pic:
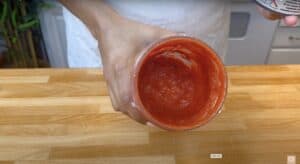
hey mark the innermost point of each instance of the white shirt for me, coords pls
(207, 20)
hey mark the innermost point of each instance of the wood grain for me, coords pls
(64, 116)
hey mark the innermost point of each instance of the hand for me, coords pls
(121, 40)
(288, 20)
(121, 44)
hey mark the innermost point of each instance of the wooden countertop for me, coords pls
(65, 116)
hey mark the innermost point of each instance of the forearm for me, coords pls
(97, 15)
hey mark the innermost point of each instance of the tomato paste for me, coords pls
(181, 83)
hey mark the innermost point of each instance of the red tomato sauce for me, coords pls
(181, 83)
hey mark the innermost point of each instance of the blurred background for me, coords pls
(33, 34)
(21, 38)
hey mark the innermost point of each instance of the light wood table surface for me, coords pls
(65, 116)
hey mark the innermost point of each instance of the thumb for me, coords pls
(291, 20)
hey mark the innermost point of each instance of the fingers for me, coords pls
(127, 108)
(291, 20)
(122, 102)
(288, 20)
(121, 44)
(130, 110)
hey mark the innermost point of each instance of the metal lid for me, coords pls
(285, 7)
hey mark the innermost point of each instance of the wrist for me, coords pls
(96, 15)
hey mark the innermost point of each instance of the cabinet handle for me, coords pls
(293, 38)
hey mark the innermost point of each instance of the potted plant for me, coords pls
(19, 26)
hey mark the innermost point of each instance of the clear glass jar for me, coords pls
(179, 83)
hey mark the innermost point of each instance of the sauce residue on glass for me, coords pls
(181, 83)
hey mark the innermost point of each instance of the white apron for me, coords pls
(207, 20)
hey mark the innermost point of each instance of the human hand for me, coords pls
(288, 20)
(121, 42)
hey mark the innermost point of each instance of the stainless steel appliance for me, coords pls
(251, 35)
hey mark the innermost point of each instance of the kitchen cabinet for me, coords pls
(253, 44)
(287, 37)
(284, 56)
(286, 45)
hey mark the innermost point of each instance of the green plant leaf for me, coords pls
(28, 25)
(45, 5)
(14, 40)
(28, 17)
(4, 12)
(14, 17)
